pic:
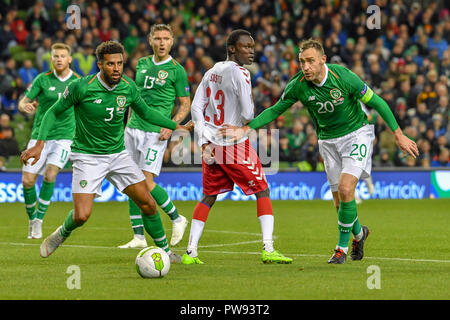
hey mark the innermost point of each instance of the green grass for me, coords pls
(409, 242)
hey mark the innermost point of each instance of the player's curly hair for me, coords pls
(233, 37)
(108, 47)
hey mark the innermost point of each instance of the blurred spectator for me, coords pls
(310, 151)
(286, 152)
(7, 39)
(35, 38)
(8, 143)
(384, 160)
(443, 159)
(28, 72)
(84, 61)
(5, 79)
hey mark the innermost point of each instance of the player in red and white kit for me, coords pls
(224, 96)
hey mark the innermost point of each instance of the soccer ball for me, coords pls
(152, 262)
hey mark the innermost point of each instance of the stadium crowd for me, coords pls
(406, 61)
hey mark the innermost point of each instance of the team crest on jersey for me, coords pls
(83, 183)
(162, 74)
(121, 101)
(335, 93)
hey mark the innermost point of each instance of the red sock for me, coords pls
(263, 206)
(201, 211)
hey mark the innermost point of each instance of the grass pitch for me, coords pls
(408, 246)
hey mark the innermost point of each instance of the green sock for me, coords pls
(136, 218)
(346, 218)
(45, 196)
(162, 199)
(154, 227)
(68, 225)
(29, 195)
(356, 227)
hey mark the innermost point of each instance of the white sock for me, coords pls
(359, 236)
(267, 222)
(196, 232)
(140, 236)
(343, 249)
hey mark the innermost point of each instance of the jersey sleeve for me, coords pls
(150, 115)
(288, 98)
(35, 88)
(243, 89)
(181, 83)
(139, 78)
(368, 97)
(69, 98)
(197, 108)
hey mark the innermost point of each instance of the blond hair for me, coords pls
(60, 45)
(160, 27)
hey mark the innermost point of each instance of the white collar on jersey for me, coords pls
(161, 62)
(104, 84)
(65, 78)
(324, 78)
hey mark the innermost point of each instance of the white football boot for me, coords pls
(178, 230)
(135, 243)
(36, 230)
(51, 243)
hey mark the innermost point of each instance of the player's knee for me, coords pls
(28, 182)
(50, 175)
(346, 192)
(81, 216)
(148, 208)
(263, 194)
(209, 200)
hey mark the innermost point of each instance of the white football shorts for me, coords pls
(146, 149)
(55, 152)
(89, 171)
(350, 154)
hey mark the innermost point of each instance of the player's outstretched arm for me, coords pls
(403, 142)
(267, 116)
(183, 111)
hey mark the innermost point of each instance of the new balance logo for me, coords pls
(311, 98)
(98, 101)
(51, 89)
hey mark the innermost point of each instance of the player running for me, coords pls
(47, 87)
(98, 151)
(332, 95)
(160, 80)
(224, 96)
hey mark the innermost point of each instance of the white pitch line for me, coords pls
(235, 252)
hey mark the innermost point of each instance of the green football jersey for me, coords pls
(48, 87)
(334, 104)
(159, 84)
(99, 113)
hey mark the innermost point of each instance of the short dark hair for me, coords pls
(108, 47)
(311, 43)
(233, 37)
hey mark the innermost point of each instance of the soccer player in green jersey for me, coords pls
(47, 87)
(332, 94)
(160, 80)
(98, 151)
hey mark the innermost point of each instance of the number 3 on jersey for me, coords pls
(220, 98)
